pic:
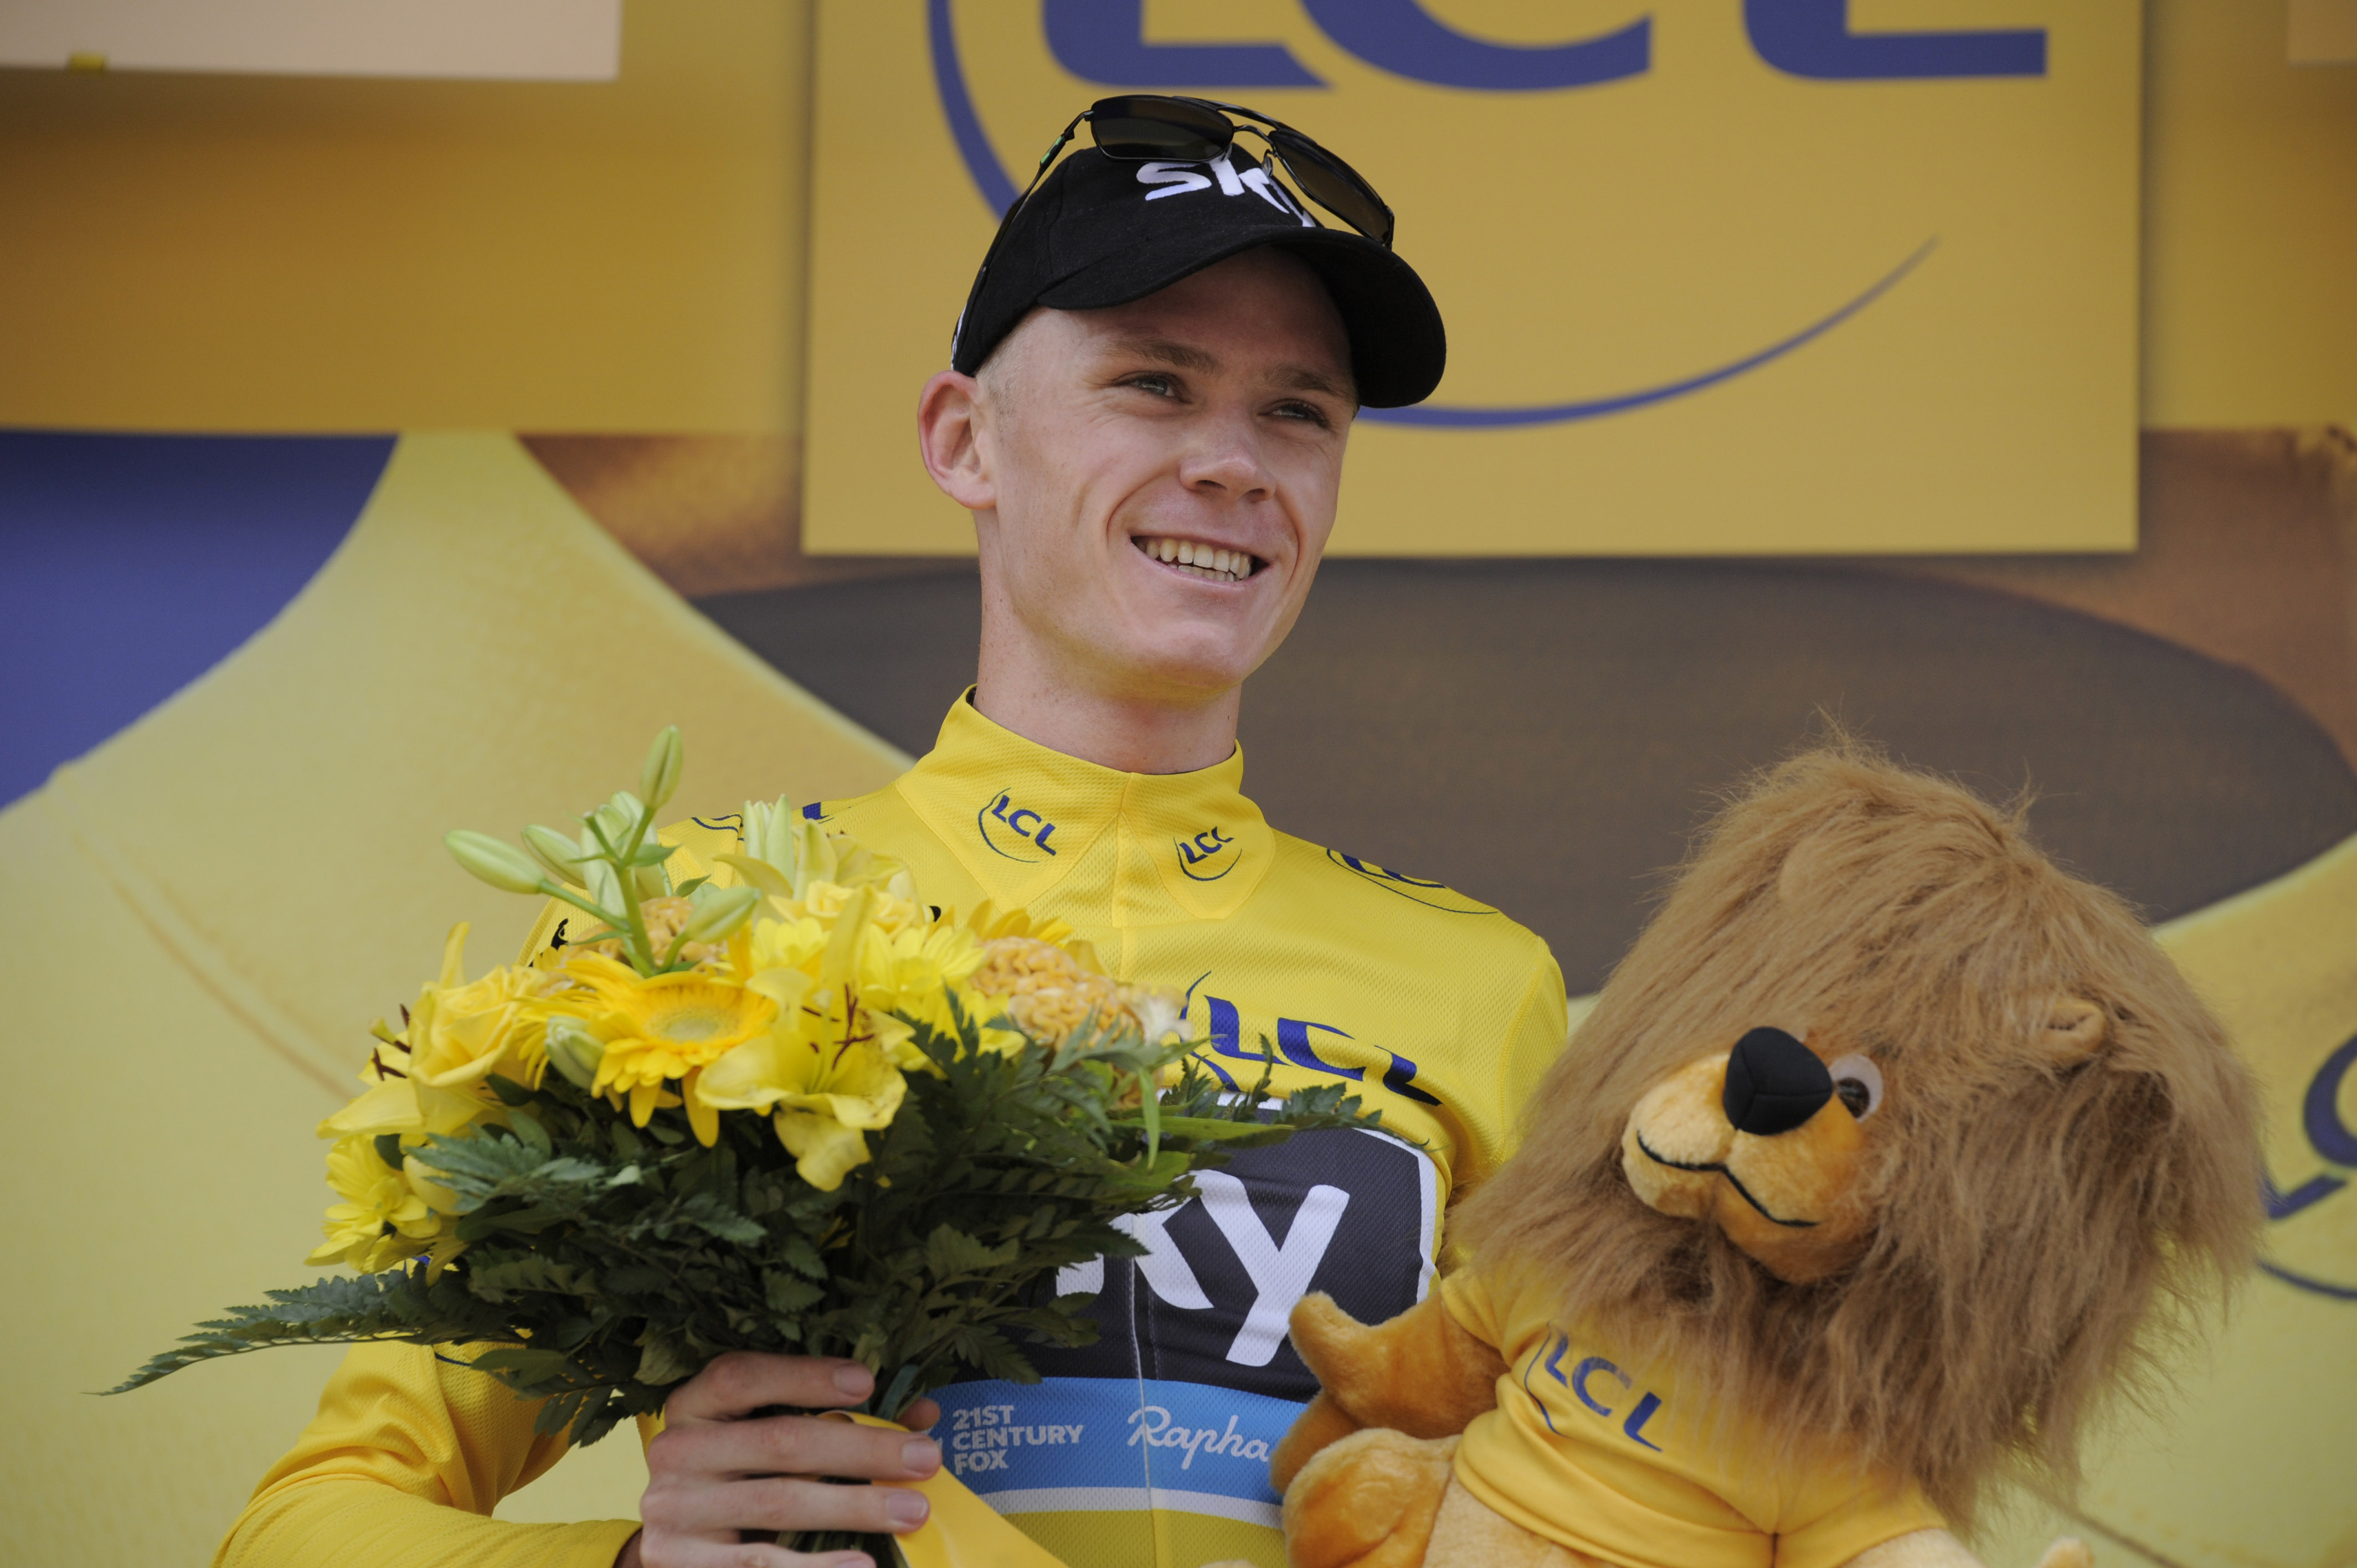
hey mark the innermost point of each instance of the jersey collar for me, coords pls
(1135, 849)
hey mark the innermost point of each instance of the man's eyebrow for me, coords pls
(1168, 352)
(1188, 357)
(1308, 378)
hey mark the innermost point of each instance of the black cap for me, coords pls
(1101, 232)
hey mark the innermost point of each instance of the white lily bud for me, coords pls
(659, 776)
(500, 864)
(720, 910)
(554, 851)
(605, 887)
(615, 819)
(573, 1051)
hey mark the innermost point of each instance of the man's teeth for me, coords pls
(1204, 560)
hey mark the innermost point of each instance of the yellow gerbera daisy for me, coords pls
(660, 1029)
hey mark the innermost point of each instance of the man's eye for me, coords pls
(1303, 411)
(1160, 386)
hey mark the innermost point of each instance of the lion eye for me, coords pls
(1858, 1084)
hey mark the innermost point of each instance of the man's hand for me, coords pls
(714, 1472)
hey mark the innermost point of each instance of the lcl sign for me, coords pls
(1104, 41)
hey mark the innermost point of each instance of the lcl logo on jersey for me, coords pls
(1431, 894)
(1297, 1041)
(1583, 1382)
(1206, 857)
(1015, 831)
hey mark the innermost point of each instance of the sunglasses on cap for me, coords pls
(1143, 126)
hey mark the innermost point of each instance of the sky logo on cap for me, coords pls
(1178, 179)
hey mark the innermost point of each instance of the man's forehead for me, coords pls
(1255, 311)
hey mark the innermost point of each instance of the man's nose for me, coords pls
(1775, 1083)
(1225, 456)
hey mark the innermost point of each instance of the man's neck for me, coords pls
(1135, 735)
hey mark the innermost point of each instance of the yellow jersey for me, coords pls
(1150, 1447)
(1630, 1465)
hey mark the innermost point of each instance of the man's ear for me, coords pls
(2075, 1029)
(949, 434)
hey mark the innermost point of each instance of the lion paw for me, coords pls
(1366, 1501)
(2067, 1552)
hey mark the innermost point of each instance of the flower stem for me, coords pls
(642, 955)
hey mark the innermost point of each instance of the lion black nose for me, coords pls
(1773, 1083)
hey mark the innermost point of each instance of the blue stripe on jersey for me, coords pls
(1114, 1442)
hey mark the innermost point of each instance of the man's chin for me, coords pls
(1190, 672)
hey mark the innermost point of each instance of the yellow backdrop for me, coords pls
(1706, 305)
(192, 252)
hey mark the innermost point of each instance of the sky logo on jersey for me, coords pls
(1193, 1379)
(1431, 894)
(1203, 849)
(1020, 833)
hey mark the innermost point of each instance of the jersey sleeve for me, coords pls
(1465, 1297)
(401, 1468)
(1533, 1039)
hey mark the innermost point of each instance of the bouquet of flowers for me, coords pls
(801, 1113)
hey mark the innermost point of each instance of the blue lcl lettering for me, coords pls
(1634, 1429)
(1293, 1039)
(1813, 39)
(1104, 41)
(1403, 38)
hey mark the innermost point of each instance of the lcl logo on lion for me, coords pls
(1781, 277)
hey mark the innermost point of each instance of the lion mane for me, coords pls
(2043, 1232)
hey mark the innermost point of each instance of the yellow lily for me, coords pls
(824, 1097)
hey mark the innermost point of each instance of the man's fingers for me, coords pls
(784, 1504)
(750, 1554)
(788, 1445)
(920, 1415)
(744, 1380)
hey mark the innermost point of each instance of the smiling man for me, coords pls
(1152, 391)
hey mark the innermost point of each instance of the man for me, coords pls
(1152, 391)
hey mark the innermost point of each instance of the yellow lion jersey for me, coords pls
(1151, 1446)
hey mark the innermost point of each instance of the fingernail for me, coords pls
(921, 1454)
(853, 1379)
(906, 1507)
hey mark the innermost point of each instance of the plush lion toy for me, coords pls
(1887, 1151)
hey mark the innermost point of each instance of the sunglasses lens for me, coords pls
(1158, 128)
(1327, 182)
